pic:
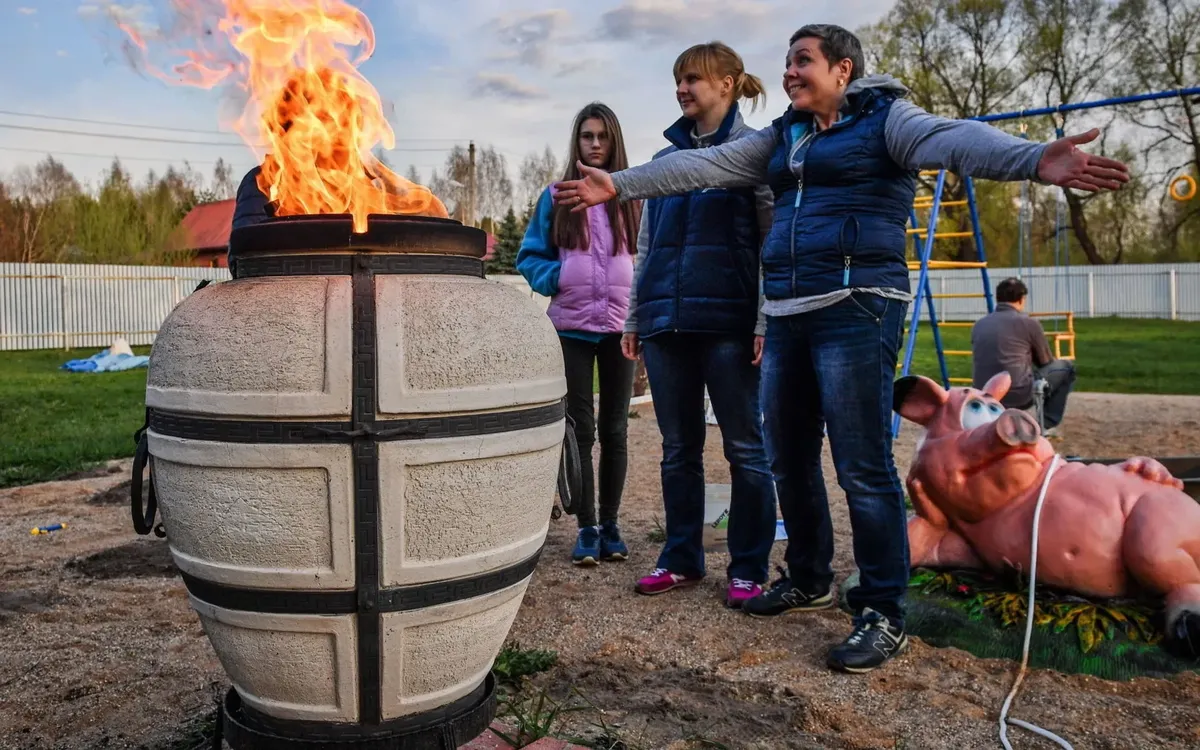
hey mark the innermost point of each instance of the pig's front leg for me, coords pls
(1150, 470)
(931, 541)
(932, 547)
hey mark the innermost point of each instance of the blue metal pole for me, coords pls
(1173, 93)
(979, 251)
(937, 335)
(922, 284)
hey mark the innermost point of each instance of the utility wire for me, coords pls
(169, 128)
(55, 152)
(150, 139)
(169, 160)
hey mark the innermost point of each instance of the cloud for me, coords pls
(658, 21)
(505, 86)
(528, 38)
(575, 66)
(135, 15)
(27, 11)
(62, 53)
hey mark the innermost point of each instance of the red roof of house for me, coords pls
(206, 226)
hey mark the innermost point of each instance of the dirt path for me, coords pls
(102, 650)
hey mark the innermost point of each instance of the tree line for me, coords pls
(960, 58)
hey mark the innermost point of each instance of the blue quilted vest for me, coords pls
(701, 272)
(843, 224)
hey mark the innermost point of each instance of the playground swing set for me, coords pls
(1062, 336)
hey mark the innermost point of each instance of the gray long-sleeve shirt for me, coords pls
(764, 204)
(915, 140)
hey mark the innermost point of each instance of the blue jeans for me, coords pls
(833, 368)
(679, 366)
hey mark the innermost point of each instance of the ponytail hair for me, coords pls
(716, 60)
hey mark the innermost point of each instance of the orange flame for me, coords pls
(306, 100)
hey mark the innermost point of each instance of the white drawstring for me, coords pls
(1004, 720)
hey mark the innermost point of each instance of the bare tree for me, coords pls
(223, 184)
(1069, 47)
(1161, 51)
(42, 195)
(413, 175)
(494, 188)
(537, 171)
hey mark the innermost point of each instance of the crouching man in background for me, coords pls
(1008, 339)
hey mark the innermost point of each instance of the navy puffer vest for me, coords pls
(701, 272)
(843, 224)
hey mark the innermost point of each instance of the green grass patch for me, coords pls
(1113, 355)
(985, 616)
(57, 423)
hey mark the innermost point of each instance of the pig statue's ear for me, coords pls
(917, 398)
(998, 385)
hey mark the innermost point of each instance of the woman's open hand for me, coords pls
(595, 188)
(1065, 165)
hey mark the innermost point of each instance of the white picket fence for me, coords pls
(48, 306)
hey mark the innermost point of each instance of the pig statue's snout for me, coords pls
(1016, 427)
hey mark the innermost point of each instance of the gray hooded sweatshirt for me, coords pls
(915, 140)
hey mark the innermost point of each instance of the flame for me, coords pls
(310, 115)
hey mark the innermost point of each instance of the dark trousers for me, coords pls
(581, 360)
(1060, 377)
(833, 369)
(679, 367)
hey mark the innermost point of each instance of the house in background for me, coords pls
(202, 238)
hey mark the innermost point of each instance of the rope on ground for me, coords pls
(1004, 720)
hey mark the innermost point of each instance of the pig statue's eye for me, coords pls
(976, 412)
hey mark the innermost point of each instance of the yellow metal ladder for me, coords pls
(923, 238)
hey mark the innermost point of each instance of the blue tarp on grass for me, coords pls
(105, 362)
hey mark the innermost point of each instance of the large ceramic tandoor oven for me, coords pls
(1104, 530)
(355, 445)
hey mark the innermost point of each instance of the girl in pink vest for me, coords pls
(583, 262)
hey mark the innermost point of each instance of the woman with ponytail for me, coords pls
(694, 314)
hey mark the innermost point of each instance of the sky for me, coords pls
(508, 74)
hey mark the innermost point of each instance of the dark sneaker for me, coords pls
(783, 598)
(874, 641)
(587, 547)
(612, 547)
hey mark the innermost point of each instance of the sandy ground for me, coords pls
(101, 649)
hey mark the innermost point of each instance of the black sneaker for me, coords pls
(783, 598)
(874, 641)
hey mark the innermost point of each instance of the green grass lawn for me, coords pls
(56, 423)
(1113, 355)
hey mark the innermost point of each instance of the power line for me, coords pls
(54, 152)
(169, 160)
(150, 139)
(170, 128)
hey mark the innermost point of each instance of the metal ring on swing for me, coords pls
(1186, 179)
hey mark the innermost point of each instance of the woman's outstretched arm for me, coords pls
(919, 140)
(739, 163)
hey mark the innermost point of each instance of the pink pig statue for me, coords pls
(1105, 531)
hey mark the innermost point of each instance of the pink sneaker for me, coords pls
(662, 581)
(741, 591)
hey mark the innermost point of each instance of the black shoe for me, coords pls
(874, 641)
(783, 598)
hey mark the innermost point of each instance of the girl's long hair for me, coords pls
(714, 61)
(570, 229)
